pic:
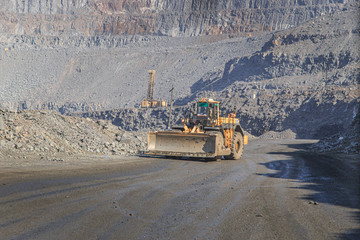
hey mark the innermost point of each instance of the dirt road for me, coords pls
(277, 191)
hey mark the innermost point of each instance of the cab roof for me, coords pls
(209, 100)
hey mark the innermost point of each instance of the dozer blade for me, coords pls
(170, 143)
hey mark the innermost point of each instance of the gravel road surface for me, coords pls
(277, 191)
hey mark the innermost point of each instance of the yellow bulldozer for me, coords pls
(203, 134)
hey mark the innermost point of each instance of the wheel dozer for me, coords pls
(203, 134)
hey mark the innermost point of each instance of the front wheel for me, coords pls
(237, 146)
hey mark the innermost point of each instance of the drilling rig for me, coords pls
(149, 102)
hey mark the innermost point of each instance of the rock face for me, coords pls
(346, 141)
(61, 18)
(73, 56)
(106, 77)
(304, 80)
(97, 78)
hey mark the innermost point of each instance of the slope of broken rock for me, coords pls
(49, 132)
(304, 79)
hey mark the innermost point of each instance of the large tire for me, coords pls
(237, 147)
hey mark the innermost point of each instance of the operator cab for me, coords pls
(203, 114)
(206, 113)
(202, 109)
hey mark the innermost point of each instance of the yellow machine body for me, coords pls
(205, 135)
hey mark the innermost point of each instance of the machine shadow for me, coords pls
(331, 180)
(185, 159)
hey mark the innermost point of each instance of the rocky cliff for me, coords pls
(63, 18)
(303, 80)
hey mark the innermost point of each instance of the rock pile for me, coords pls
(50, 132)
(347, 141)
(286, 134)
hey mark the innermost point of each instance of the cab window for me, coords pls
(202, 108)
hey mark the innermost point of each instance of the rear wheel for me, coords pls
(237, 147)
